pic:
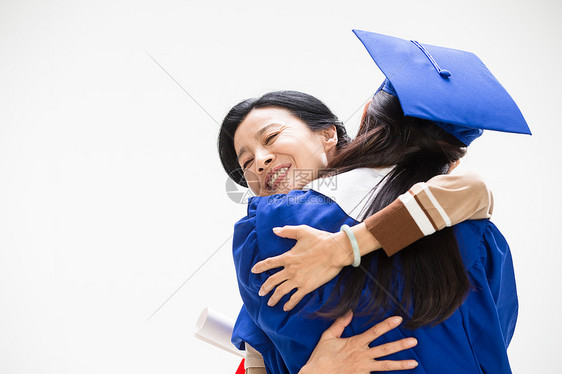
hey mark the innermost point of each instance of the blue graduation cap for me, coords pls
(452, 88)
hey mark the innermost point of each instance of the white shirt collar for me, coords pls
(352, 190)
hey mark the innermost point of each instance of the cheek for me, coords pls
(255, 189)
(307, 151)
(253, 181)
(314, 155)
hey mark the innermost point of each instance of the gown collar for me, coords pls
(352, 190)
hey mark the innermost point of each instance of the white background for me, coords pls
(111, 190)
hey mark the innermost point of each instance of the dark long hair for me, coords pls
(425, 282)
(309, 109)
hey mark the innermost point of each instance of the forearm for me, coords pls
(443, 201)
(366, 241)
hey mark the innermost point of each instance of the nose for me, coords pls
(262, 161)
(264, 164)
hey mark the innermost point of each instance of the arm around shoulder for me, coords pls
(443, 201)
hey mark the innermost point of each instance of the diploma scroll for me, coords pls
(216, 329)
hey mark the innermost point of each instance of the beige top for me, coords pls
(443, 201)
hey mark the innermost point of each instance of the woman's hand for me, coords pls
(317, 257)
(334, 354)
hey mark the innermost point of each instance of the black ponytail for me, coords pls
(425, 282)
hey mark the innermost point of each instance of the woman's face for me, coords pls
(279, 153)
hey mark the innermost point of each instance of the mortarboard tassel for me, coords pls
(442, 72)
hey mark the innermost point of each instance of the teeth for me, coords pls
(275, 176)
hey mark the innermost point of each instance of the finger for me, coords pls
(338, 326)
(388, 365)
(379, 329)
(268, 264)
(272, 282)
(392, 347)
(280, 291)
(290, 232)
(294, 300)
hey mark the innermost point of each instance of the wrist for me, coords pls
(343, 250)
(367, 242)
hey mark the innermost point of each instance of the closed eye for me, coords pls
(247, 163)
(270, 138)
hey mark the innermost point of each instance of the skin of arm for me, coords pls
(318, 256)
(311, 249)
(365, 239)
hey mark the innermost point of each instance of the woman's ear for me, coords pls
(453, 165)
(365, 110)
(330, 135)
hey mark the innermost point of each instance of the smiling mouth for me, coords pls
(275, 179)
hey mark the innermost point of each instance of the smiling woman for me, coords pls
(279, 153)
(281, 141)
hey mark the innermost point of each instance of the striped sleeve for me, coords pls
(443, 201)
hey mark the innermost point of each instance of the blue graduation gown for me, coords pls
(473, 340)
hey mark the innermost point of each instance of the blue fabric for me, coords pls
(468, 96)
(465, 134)
(473, 340)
